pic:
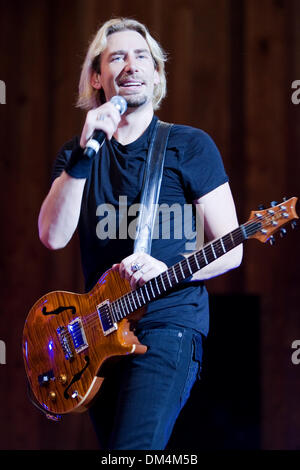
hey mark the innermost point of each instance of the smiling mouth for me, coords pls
(131, 84)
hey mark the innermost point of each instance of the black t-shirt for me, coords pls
(193, 167)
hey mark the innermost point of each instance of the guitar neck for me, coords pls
(179, 272)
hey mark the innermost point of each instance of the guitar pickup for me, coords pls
(77, 333)
(106, 319)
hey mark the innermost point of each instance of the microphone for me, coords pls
(98, 136)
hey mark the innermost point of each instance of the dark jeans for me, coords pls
(140, 400)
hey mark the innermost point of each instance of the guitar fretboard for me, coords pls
(164, 282)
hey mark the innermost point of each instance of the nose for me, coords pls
(131, 64)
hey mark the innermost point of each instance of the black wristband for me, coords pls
(79, 165)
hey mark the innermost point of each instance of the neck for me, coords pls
(133, 124)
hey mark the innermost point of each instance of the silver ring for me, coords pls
(135, 267)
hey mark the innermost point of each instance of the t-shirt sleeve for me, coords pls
(202, 166)
(63, 157)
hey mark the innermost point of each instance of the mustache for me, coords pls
(129, 77)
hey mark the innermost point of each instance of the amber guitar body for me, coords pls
(51, 360)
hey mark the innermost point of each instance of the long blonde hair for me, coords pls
(89, 97)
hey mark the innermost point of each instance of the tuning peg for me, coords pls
(282, 232)
(261, 207)
(272, 240)
(274, 203)
(294, 224)
(284, 199)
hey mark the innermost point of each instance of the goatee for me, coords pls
(135, 101)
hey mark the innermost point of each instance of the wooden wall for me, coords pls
(231, 65)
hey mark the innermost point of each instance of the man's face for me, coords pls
(127, 69)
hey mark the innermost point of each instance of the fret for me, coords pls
(145, 286)
(232, 239)
(128, 297)
(183, 276)
(141, 291)
(222, 244)
(153, 293)
(196, 259)
(213, 250)
(163, 283)
(134, 301)
(188, 265)
(204, 256)
(169, 278)
(114, 313)
(120, 307)
(157, 285)
(175, 274)
(126, 306)
(138, 298)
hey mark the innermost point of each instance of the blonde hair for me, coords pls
(89, 97)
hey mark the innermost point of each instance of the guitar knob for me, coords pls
(272, 240)
(282, 232)
(52, 396)
(294, 224)
(274, 203)
(62, 379)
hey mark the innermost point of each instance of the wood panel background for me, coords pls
(230, 69)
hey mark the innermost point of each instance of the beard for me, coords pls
(135, 101)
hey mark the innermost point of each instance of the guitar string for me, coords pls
(93, 318)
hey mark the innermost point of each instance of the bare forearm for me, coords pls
(60, 211)
(225, 263)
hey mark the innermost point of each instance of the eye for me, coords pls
(116, 58)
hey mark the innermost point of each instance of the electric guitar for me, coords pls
(69, 338)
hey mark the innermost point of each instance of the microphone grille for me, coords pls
(120, 103)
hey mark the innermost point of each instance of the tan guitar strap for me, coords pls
(151, 187)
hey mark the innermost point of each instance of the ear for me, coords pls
(96, 80)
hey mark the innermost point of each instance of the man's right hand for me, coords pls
(105, 118)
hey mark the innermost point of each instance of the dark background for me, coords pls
(230, 69)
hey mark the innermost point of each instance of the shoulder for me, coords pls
(190, 138)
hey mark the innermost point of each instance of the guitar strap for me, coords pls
(151, 187)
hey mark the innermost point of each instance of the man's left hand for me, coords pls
(139, 268)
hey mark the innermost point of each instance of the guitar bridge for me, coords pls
(65, 343)
(107, 321)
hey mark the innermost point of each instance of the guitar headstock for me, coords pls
(271, 220)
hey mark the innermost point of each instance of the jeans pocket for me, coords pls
(164, 346)
(194, 369)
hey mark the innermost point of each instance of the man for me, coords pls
(141, 398)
